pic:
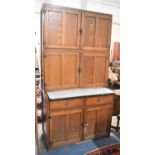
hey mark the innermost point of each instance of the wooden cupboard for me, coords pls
(79, 38)
(72, 120)
(75, 55)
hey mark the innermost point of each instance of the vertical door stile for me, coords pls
(62, 71)
(45, 41)
(80, 66)
(96, 24)
(84, 116)
(67, 127)
(63, 29)
(93, 71)
(77, 66)
(78, 31)
(96, 121)
(82, 28)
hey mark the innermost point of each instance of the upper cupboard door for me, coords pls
(61, 69)
(61, 29)
(96, 31)
(94, 69)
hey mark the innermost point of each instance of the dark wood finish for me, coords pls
(61, 27)
(61, 69)
(94, 69)
(74, 120)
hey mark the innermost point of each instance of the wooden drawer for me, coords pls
(107, 99)
(99, 100)
(69, 103)
(92, 100)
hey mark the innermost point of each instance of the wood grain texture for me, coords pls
(75, 53)
(62, 31)
(61, 69)
(62, 28)
(116, 51)
(90, 121)
(93, 67)
(66, 122)
(96, 31)
(74, 120)
(54, 28)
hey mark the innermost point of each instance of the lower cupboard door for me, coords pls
(66, 128)
(103, 122)
(97, 122)
(89, 124)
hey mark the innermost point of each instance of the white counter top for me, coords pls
(80, 92)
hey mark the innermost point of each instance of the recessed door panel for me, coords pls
(89, 124)
(75, 126)
(89, 31)
(103, 121)
(70, 63)
(58, 128)
(100, 69)
(71, 30)
(53, 70)
(54, 28)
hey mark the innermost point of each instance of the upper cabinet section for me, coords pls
(75, 29)
(61, 28)
(96, 31)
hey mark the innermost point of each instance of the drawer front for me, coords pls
(99, 100)
(69, 103)
(92, 100)
(107, 99)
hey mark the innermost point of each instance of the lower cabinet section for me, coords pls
(74, 120)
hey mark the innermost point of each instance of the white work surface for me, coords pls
(80, 92)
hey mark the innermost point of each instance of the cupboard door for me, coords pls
(61, 28)
(57, 128)
(94, 69)
(75, 126)
(65, 127)
(103, 121)
(96, 31)
(89, 124)
(61, 70)
(97, 120)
